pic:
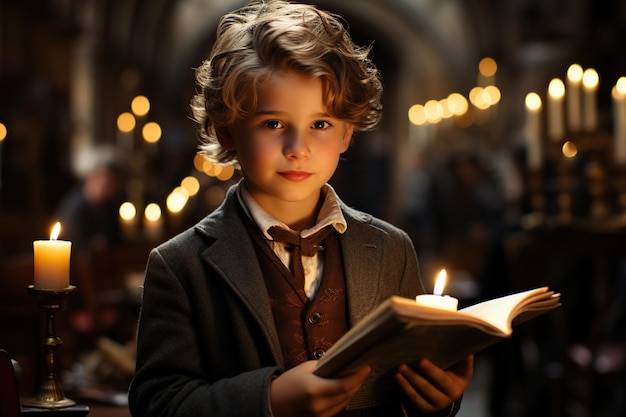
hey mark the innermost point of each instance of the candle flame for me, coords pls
(620, 85)
(590, 78)
(440, 283)
(575, 73)
(533, 101)
(556, 88)
(55, 231)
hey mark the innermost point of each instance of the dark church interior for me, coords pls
(503, 195)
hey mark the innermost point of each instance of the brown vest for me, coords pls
(306, 328)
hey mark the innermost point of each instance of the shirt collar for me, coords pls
(330, 213)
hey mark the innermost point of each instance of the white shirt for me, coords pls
(330, 214)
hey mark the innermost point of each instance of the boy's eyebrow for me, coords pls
(270, 112)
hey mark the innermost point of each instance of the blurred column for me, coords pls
(83, 82)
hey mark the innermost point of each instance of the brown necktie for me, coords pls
(300, 246)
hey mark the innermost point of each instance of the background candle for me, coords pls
(556, 120)
(619, 120)
(52, 262)
(572, 95)
(532, 131)
(590, 101)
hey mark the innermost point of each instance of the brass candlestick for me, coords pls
(50, 394)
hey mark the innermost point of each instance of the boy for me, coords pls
(232, 320)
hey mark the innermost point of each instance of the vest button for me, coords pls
(318, 353)
(315, 318)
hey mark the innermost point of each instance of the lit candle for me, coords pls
(619, 120)
(532, 130)
(52, 261)
(574, 77)
(153, 222)
(436, 299)
(556, 92)
(590, 101)
(128, 220)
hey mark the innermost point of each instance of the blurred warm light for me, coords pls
(590, 79)
(487, 67)
(569, 149)
(211, 169)
(140, 106)
(575, 73)
(126, 122)
(446, 113)
(457, 104)
(226, 173)
(433, 111)
(151, 132)
(533, 101)
(620, 85)
(556, 88)
(3, 132)
(177, 200)
(191, 184)
(479, 98)
(198, 162)
(416, 115)
(493, 93)
(152, 212)
(127, 211)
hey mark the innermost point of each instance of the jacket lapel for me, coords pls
(363, 248)
(233, 257)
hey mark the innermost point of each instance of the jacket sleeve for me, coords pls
(172, 378)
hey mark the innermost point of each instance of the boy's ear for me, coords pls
(347, 137)
(225, 138)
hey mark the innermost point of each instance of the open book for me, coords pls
(400, 331)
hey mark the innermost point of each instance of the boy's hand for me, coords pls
(298, 392)
(430, 388)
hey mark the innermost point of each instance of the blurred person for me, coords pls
(89, 212)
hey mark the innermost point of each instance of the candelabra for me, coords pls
(50, 394)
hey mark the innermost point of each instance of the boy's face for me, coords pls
(290, 147)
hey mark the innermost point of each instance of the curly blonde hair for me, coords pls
(269, 35)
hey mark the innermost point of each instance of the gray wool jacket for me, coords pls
(207, 345)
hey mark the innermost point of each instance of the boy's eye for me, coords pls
(321, 124)
(273, 124)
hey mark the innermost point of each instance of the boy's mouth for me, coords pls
(295, 175)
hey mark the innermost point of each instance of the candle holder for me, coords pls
(50, 394)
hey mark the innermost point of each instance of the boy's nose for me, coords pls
(296, 145)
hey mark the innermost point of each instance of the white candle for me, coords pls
(574, 78)
(436, 299)
(153, 222)
(52, 262)
(590, 101)
(619, 120)
(556, 126)
(128, 220)
(532, 131)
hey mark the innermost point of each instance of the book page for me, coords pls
(501, 311)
